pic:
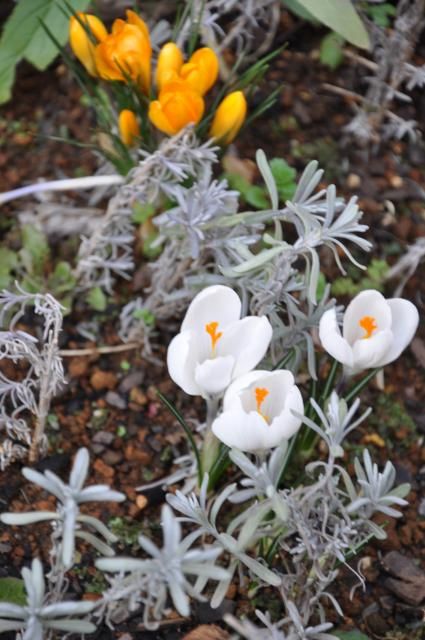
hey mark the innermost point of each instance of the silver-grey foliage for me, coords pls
(68, 521)
(40, 617)
(25, 403)
(167, 571)
(208, 244)
(107, 252)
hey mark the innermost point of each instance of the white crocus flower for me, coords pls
(258, 411)
(375, 331)
(214, 345)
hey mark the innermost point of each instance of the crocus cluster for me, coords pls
(124, 55)
(215, 352)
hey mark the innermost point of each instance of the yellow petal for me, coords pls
(177, 106)
(159, 119)
(81, 43)
(128, 127)
(229, 117)
(206, 62)
(170, 61)
(133, 18)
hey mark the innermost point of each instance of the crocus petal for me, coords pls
(243, 431)
(332, 340)
(181, 363)
(159, 119)
(248, 341)
(214, 375)
(232, 395)
(370, 352)
(405, 320)
(286, 424)
(214, 304)
(367, 303)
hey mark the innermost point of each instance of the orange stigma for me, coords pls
(211, 329)
(260, 396)
(368, 323)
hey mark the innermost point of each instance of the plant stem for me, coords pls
(211, 446)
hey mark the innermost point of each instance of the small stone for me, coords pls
(136, 455)
(353, 181)
(103, 380)
(103, 437)
(134, 379)
(78, 367)
(115, 400)
(103, 468)
(396, 181)
(374, 438)
(207, 632)
(112, 457)
(141, 501)
(138, 397)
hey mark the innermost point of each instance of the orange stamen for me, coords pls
(260, 396)
(211, 329)
(368, 323)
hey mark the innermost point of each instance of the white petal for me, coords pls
(367, 303)
(248, 341)
(286, 424)
(232, 394)
(214, 375)
(214, 304)
(332, 340)
(246, 432)
(405, 320)
(181, 362)
(370, 352)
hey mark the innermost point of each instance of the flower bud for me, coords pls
(177, 106)
(229, 117)
(170, 61)
(126, 52)
(82, 45)
(201, 71)
(128, 127)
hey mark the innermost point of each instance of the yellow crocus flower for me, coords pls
(229, 117)
(82, 45)
(128, 127)
(177, 106)
(126, 52)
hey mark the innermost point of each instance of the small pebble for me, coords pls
(115, 400)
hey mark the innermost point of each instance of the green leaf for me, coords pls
(331, 53)
(252, 194)
(296, 7)
(381, 14)
(340, 16)
(62, 279)
(13, 590)
(96, 299)
(8, 259)
(145, 315)
(350, 635)
(142, 212)
(24, 36)
(284, 176)
(8, 62)
(35, 249)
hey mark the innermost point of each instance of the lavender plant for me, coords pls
(67, 521)
(38, 618)
(31, 396)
